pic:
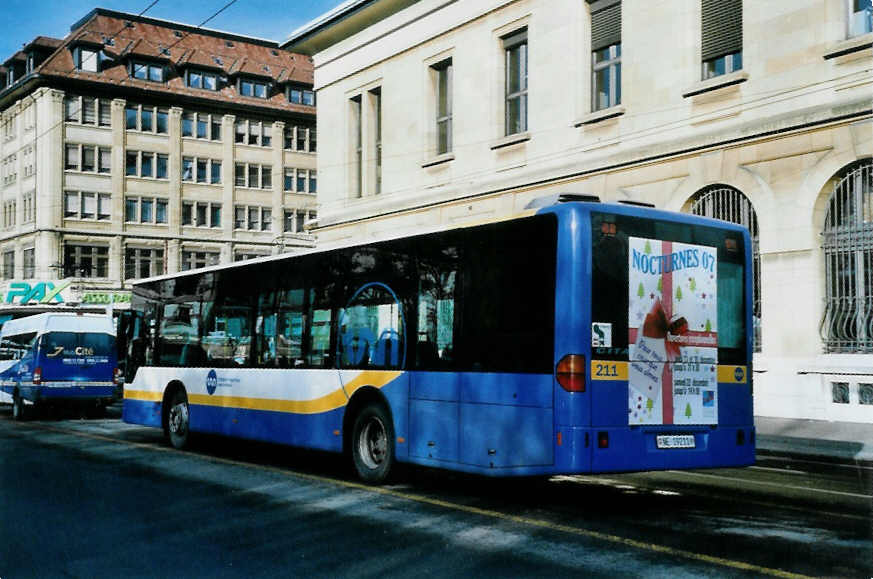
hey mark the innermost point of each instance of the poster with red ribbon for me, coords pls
(672, 333)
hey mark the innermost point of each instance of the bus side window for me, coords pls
(437, 277)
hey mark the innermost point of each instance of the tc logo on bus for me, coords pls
(211, 382)
(739, 375)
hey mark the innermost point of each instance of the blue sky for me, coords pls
(23, 20)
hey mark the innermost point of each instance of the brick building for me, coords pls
(135, 147)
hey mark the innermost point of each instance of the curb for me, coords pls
(829, 450)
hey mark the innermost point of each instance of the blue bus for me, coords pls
(58, 358)
(577, 337)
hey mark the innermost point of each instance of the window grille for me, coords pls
(729, 204)
(847, 322)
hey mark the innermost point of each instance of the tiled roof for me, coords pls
(122, 36)
(44, 42)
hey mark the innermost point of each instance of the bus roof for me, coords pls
(554, 204)
(60, 322)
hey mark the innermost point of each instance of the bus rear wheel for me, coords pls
(177, 426)
(373, 444)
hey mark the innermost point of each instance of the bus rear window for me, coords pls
(684, 293)
(70, 344)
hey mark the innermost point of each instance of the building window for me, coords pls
(840, 392)
(28, 207)
(87, 110)
(201, 214)
(88, 158)
(301, 95)
(86, 260)
(196, 259)
(244, 255)
(10, 169)
(9, 209)
(146, 71)
(294, 220)
(253, 88)
(87, 59)
(201, 126)
(729, 204)
(29, 262)
(196, 170)
(721, 37)
(146, 164)
(847, 324)
(253, 176)
(202, 79)
(143, 262)
(147, 119)
(300, 138)
(300, 180)
(605, 54)
(376, 109)
(357, 123)
(865, 394)
(250, 132)
(145, 210)
(252, 218)
(441, 74)
(515, 53)
(9, 264)
(860, 17)
(87, 205)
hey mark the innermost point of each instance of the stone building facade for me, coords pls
(136, 147)
(441, 112)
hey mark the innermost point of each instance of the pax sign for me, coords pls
(43, 292)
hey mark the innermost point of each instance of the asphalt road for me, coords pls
(99, 498)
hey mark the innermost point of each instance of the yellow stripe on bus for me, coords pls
(336, 399)
(144, 395)
(733, 374)
(612, 370)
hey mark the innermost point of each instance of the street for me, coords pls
(99, 498)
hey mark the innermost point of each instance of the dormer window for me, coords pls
(30, 63)
(301, 95)
(201, 79)
(253, 88)
(146, 71)
(86, 58)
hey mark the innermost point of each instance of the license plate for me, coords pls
(675, 441)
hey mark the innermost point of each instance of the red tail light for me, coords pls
(37, 375)
(570, 373)
(116, 376)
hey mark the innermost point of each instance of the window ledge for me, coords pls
(711, 84)
(438, 160)
(856, 44)
(599, 116)
(510, 140)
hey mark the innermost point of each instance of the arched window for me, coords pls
(729, 204)
(847, 324)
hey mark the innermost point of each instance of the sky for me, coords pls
(24, 20)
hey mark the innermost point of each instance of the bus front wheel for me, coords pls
(177, 428)
(373, 444)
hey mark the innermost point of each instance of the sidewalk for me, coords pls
(844, 441)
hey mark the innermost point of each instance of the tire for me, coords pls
(177, 429)
(19, 410)
(373, 444)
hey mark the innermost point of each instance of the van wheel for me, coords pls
(373, 444)
(19, 410)
(176, 429)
